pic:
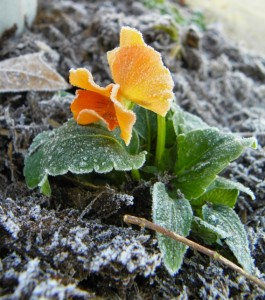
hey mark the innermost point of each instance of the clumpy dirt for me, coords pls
(75, 245)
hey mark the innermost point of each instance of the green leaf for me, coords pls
(149, 169)
(225, 219)
(202, 154)
(165, 7)
(207, 232)
(78, 149)
(170, 130)
(222, 191)
(185, 122)
(175, 215)
(171, 29)
(169, 159)
(224, 183)
(145, 126)
(133, 147)
(217, 196)
(45, 187)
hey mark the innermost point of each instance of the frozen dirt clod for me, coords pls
(75, 243)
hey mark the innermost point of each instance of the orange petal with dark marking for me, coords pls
(102, 107)
(97, 103)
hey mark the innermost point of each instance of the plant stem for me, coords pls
(161, 139)
(148, 142)
(135, 174)
(213, 254)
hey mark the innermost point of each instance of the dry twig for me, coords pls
(213, 254)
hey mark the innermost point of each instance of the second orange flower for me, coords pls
(140, 77)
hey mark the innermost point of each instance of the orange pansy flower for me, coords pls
(94, 103)
(140, 72)
(139, 76)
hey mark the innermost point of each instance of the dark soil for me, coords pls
(75, 245)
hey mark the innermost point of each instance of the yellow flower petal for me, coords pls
(140, 72)
(130, 37)
(87, 116)
(83, 79)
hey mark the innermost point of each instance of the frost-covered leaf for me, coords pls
(207, 232)
(29, 72)
(222, 191)
(224, 218)
(202, 154)
(224, 183)
(185, 122)
(78, 149)
(175, 215)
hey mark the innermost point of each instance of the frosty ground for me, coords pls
(75, 244)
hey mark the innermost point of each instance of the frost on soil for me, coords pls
(70, 249)
(76, 240)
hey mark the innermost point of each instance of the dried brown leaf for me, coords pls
(29, 72)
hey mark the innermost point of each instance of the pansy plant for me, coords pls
(133, 125)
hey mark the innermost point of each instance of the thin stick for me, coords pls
(213, 254)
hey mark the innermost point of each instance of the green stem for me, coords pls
(136, 174)
(131, 106)
(161, 139)
(148, 141)
(127, 103)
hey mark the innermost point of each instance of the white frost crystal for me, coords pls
(8, 220)
(130, 254)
